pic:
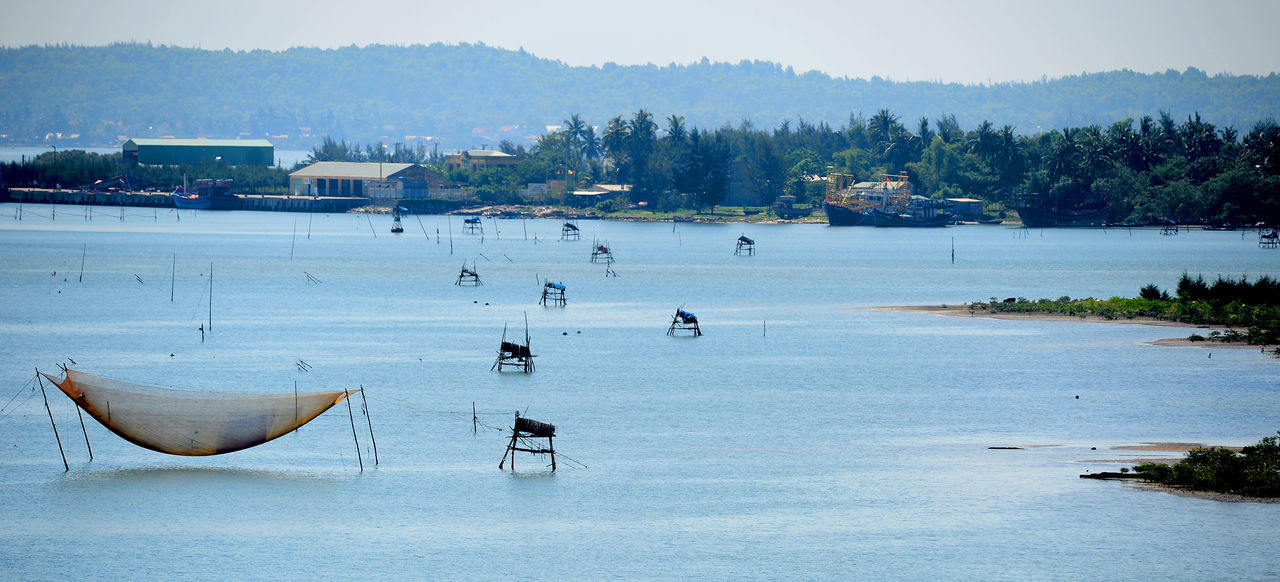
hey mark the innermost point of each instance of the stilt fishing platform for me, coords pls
(569, 231)
(469, 276)
(683, 321)
(600, 252)
(524, 430)
(1268, 240)
(552, 294)
(514, 355)
(746, 247)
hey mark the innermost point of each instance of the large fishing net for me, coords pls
(188, 422)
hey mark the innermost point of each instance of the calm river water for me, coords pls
(803, 436)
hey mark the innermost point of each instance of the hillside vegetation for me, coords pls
(469, 95)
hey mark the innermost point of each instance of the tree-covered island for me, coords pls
(1236, 305)
(1249, 472)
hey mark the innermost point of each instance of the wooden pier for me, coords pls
(264, 202)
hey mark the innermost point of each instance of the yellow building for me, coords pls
(473, 160)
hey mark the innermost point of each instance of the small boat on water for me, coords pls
(207, 195)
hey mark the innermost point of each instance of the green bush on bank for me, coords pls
(1253, 306)
(1254, 471)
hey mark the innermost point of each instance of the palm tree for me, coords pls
(924, 132)
(1095, 157)
(675, 128)
(614, 143)
(592, 146)
(882, 127)
(641, 136)
(983, 142)
(1008, 158)
(574, 129)
(1062, 160)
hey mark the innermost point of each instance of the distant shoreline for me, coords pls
(963, 311)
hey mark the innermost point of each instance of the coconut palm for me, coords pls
(614, 142)
(675, 129)
(1062, 158)
(882, 127)
(983, 141)
(574, 128)
(924, 133)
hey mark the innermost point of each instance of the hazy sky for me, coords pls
(948, 40)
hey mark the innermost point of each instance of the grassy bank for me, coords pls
(1252, 472)
(1250, 310)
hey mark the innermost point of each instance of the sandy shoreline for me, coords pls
(1169, 447)
(964, 311)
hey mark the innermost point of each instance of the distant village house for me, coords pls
(376, 181)
(475, 160)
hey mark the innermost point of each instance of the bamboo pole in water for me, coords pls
(65, 466)
(352, 417)
(369, 420)
(85, 432)
(424, 229)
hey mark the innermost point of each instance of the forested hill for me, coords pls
(471, 95)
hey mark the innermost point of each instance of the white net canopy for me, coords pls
(188, 422)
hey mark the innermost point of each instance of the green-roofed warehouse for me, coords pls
(176, 152)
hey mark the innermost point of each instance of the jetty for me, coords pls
(267, 202)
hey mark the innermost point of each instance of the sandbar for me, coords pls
(963, 310)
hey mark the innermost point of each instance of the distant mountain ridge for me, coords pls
(474, 95)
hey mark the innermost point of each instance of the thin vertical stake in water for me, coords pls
(424, 229)
(369, 420)
(85, 433)
(65, 466)
(352, 417)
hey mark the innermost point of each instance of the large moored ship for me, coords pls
(886, 202)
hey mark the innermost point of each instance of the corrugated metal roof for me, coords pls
(352, 170)
(488, 154)
(147, 141)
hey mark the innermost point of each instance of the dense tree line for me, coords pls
(1147, 169)
(77, 169)
(1152, 168)
(471, 95)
